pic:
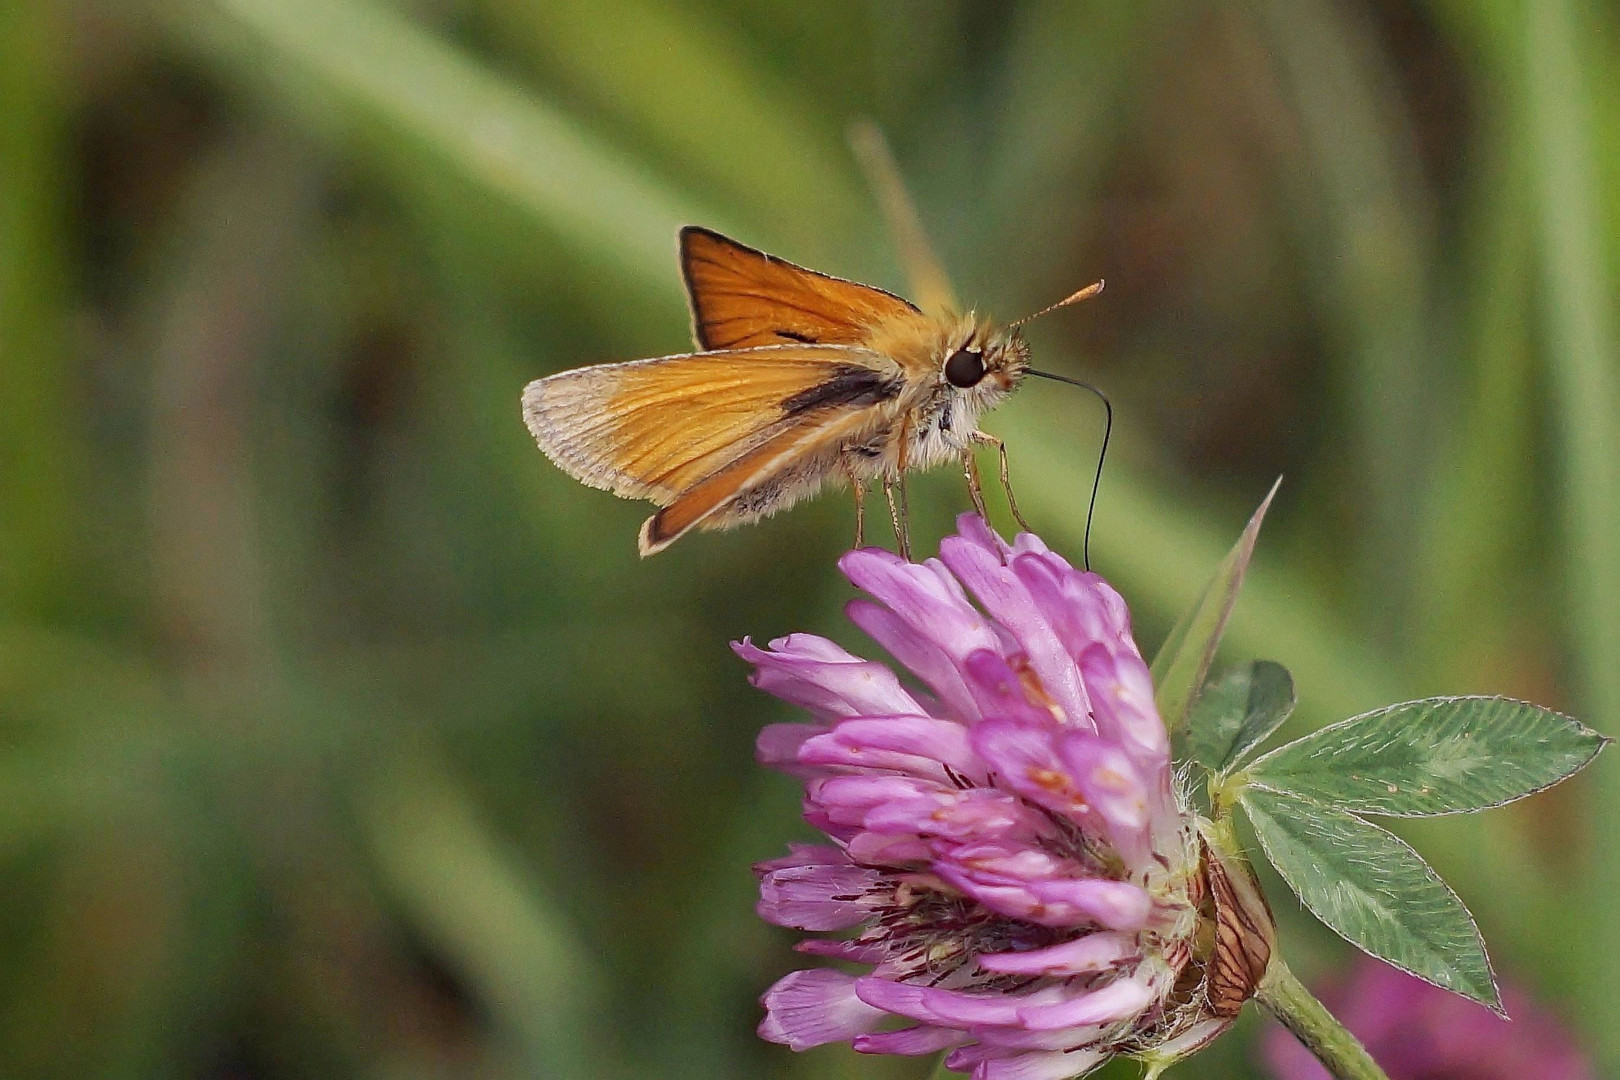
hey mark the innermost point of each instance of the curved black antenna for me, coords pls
(1108, 430)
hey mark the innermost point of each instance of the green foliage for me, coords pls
(1420, 758)
(1372, 888)
(1238, 712)
(1440, 756)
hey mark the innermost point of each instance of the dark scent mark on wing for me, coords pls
(847, 386)
(753, 319)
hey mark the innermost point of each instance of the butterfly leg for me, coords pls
(985, 439)
(894, 489)
(970, 467)
(895, 485)
(859, 486)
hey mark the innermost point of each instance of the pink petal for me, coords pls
(853, 951)
(1107, 778)
(846, 799)
(1032, 1065)
(1081, 607)
(1093, 952)
(924, 595)
(975, 530)
(1025, 759)
(777, 746)
(813, 647)
(809, 1008)
(817, 897)
(821, 676)
(910, 1042)
(975, 814)
(918, 745)
(1118, 1000)
(1019, 1038)
(1009, 859)
(1010, 898)
(817, 818)
(1122, 703)
(1009, 602)
(1117, 905)
(1001, 876)
(1115, 790)
(999, 693)
(951, 1008)
(804, 855)
(917, 652)
(882, 849)
(1027, 543)
(1062, 903)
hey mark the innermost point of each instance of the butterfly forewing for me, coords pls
(743, 297)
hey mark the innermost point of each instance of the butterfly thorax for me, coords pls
(932, 419)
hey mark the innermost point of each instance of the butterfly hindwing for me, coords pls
(789, 465)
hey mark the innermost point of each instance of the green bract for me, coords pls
(1237, 713)
(1183, 661)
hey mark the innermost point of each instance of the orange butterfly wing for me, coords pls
(706, 425)
(787, 466)
(742, 297)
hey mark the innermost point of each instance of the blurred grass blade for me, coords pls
(40, 445)
(352, 63)
(470, 898)
(1061, 97)
(716, 959)
(1576, 293)
(1480, 507)
(240, 231)
(1184, 659)
(696, 90)
(930, 285)
(1367, 222)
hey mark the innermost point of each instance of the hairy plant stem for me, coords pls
(1340, 1052)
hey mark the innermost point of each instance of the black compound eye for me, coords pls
(965, 368)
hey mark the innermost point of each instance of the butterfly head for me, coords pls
(985, 365)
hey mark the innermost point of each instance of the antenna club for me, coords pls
(1073, 298)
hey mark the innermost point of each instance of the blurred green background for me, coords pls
(345, 736)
